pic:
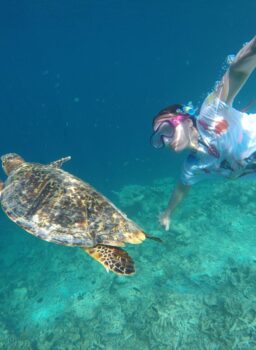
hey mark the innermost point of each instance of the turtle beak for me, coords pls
(4, 165)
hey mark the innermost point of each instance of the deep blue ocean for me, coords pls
(84, 78)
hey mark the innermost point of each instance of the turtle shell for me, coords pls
(58, 207)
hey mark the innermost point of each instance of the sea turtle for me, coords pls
(58, 207)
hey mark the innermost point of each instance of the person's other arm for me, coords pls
(238, 72)
(177, 196)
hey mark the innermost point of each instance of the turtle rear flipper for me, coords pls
(58, 163)
(112, 258)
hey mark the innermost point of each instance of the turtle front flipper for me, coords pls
(58, 163)
(112, 258)
(1, 187)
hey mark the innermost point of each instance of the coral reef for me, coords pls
(196, 291)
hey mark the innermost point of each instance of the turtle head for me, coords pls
(10, 162)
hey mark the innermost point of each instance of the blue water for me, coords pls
(85, 78)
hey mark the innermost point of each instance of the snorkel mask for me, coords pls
(167, 120)
(165, 129)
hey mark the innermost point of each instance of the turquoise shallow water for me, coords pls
(194, 291)
(85, 78)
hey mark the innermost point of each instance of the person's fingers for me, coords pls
(165, 221)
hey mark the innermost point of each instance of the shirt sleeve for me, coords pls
(193, 170)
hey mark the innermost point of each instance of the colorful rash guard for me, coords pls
(227, 144)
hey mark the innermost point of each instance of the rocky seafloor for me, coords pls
(195, 291)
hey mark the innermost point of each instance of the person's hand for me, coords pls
(165, 220)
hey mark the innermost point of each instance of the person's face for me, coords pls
(185, 137)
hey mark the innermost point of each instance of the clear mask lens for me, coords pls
(163, 134)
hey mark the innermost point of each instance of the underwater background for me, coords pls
(85, 78)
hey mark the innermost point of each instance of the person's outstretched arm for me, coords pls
(238, 72)
(177, 195)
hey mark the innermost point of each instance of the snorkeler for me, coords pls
(222, 140)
